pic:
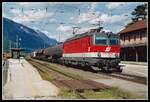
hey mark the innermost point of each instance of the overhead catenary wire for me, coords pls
(47, 23)
(43, 23)
(57, 10)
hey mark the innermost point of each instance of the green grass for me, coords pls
(66, 94)
(46, 76)
(61, 71)
(112, 93)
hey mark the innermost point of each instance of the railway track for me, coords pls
(132, 78)
(39, 68)
(44, 69)
(97, 74)
(68, 80)
(128, 77)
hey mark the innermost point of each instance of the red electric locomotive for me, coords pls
(98, 49)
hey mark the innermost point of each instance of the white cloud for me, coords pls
(53, 20)
(113, 5)
(64, 28)
(106, 30)
(64, 32)
(113, 19)
(50, 35)
(86, 29)
(105, 18)
(21, 19)
(15, 11)
(72, 18)
(65, 36)
(93, 6)
(93, 21)
(58, 36)
(39, 14)
(69, 3)
(24, 3)
(45, 32)
(83, 30)
(29, 4)
(35, 28)
(87, 16)
(28, 15)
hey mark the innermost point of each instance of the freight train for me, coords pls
(98, 49)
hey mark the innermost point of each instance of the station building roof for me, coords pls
(141, 24)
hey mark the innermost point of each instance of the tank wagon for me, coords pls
(37, 54)
(53, 53)
(99, 49)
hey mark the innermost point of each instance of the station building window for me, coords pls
(144, 33)
(124, 37)
(134, 37)
(140, 35)
(129, 37)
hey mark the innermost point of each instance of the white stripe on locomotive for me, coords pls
(92, 54)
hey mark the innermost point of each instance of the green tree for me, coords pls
(139, 12)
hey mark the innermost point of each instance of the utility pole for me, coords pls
(110, 15)
(17, 44)
(10, 46)
(59, 37)
(44, 44)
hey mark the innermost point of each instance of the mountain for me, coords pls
(30, 39)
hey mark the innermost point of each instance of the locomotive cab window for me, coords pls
(114, 41)
(100, 40)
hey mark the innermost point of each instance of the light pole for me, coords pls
(9, 46)
(19, 43)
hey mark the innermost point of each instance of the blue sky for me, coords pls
(56, 19)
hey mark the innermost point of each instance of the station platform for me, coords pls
(135, 63)
(24, 82)
(135, 68)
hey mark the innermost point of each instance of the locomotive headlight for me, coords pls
(99, 54)
(116, 54)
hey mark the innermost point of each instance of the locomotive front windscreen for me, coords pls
(114, 41)
(100, 40)
(105, 40)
